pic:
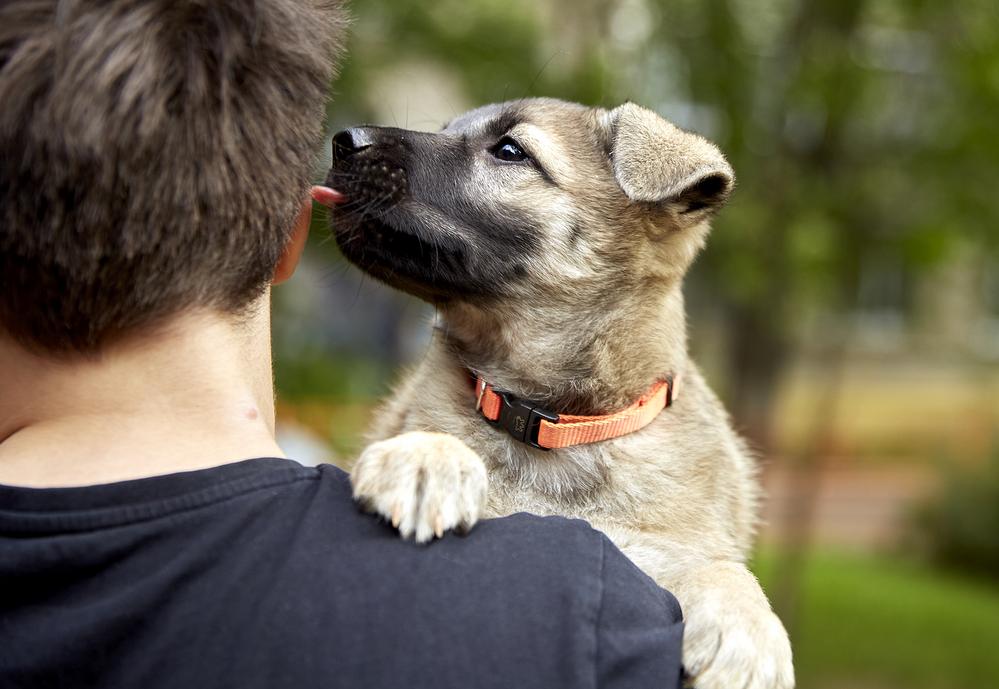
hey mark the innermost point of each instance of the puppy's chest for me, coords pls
(643, 480)
(600, 483)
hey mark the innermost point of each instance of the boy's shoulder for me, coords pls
(267, 572)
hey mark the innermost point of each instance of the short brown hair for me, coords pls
(153, 156)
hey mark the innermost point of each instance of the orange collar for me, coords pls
(546, 430)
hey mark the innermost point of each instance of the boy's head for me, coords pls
(154, 155)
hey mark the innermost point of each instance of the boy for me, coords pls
(154, 166)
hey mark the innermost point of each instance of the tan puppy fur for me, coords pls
(582, 318)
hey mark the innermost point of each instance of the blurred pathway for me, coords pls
(865, 508)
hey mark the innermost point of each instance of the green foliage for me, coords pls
(336, 377)
(959, 526)
(869, 622)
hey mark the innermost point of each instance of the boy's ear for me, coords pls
(296, 244)
(657, 162)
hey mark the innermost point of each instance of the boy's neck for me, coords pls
(195, 393)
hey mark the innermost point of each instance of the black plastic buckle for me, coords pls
(521, 419)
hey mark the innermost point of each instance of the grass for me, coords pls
(877, 623)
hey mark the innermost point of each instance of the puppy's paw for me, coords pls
(424, 483)
(734, 641)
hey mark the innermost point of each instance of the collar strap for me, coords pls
(546, 430)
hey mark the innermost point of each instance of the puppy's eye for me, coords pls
(508, 151)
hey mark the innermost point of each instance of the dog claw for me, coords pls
(423, 484)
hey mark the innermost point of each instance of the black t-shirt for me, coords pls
(263, 573)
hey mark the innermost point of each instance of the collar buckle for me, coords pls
(521, 419)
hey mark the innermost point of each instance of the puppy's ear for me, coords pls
(657, 162)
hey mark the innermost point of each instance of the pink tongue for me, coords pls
(326, 196)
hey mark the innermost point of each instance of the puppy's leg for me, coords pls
(732, 639)
(424, 483)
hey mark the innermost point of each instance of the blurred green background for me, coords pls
(846, 308)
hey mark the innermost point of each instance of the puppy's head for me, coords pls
(537, 199)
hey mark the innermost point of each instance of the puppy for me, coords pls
(552, 239)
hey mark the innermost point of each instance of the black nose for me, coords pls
(350, 141)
